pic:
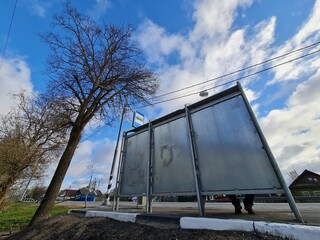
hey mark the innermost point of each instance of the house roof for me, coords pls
(69, 192)
(84, 191)
(302, 176)
(98, 192)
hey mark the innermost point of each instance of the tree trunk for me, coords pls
(44, 210)
(4, 190)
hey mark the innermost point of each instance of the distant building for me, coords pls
(68, 194)
(91, 196)
(307, 184)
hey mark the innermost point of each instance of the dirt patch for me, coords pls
(75, 227)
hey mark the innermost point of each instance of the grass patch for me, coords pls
(18, 215)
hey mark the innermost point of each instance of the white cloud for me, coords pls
(215, 18)
(82, 160)
(99, 8)
(76, 183)
(311, 27)
(263, 38)
(293, 132)
(209, 50)
(251, 95)
(97, 154)
(14, 76)
(37, 7)
(214, 48)
(159, 44)
(307, 34)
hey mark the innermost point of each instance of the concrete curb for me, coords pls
(159, 221)
(216, 224)
(124, 217)
(290, 231)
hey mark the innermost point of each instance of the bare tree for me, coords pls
(93, 70)
(36, 192)
(293, 175)
(29, 141)
(34, 173)
(12, 161)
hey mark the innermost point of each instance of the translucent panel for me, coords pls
(172, 165)
(230, 153)
(135, 168)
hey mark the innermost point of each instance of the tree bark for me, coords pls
(4, 189)
(44, 210)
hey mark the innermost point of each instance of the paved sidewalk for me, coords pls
(269, 212)
(275, 219)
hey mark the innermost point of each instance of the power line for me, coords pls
(5, 46)
(93, 133)
(243, 69)
(234, 80)
(231, 81)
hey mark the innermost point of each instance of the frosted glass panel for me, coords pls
(135, 174)
(230, 153)
(172, 165)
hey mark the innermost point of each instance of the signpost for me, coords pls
(137, 119)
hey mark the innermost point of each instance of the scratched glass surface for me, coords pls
(231, 154)
(135, 168)
(172, 163)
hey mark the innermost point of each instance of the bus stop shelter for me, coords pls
(212, 147)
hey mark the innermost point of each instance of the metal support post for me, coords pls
(149, 181)
(107, 200)
(119, 175)
(195, 164)
(274, 164)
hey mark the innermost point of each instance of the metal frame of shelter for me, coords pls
(214, 146)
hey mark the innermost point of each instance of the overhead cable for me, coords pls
(234, 80)
(5, 46)
(231, 81)
(241, 70)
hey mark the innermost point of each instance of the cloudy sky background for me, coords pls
(186, 43)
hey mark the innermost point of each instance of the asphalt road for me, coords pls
(270, 212)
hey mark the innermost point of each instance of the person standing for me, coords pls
(247, 201)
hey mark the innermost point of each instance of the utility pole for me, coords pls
(94, 184)
(89, 188)
(107, 200)
(99, 183)
(90, 181)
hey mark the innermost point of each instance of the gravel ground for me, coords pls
(75, 227)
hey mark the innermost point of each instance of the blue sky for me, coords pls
(188, 42)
